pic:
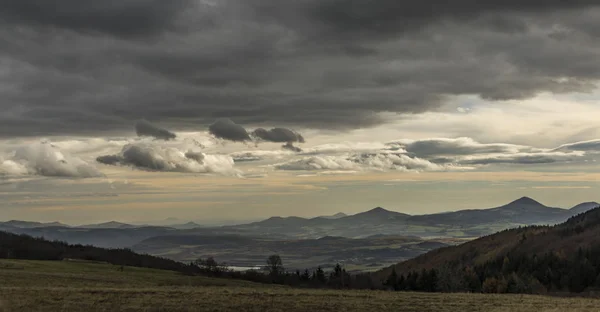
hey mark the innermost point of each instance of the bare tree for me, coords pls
(275, 265)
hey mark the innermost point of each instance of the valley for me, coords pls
(363, 242)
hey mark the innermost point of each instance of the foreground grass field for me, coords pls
(85, 286)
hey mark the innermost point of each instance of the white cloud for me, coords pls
(45, 159)
(380, 161)
(345, 147)
(261, 155)
(322, 162)
(394, 161)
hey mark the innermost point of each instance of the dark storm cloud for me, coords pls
(145, 128)
(391, 16)
(124, 18)
(226, 129)
(333, 64)
(279, 135)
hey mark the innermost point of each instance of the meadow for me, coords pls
(91, 286)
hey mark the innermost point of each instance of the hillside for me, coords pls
(14, 246)
(88, 286)
(564, 257)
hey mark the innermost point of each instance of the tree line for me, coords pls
(275, 273)
(13, 246)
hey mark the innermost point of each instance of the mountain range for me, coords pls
(463, 223)
(466, 224)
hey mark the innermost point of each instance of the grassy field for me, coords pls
(85, 286)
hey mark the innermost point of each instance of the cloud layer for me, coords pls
(187, 155)
(308, 64)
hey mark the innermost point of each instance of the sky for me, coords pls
(231, 110)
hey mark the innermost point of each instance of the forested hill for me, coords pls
(534, 259)
(26, 247)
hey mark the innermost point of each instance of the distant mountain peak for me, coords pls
(338, 215)
(583, 207)
(112, 223)
(526, 201)
(378, 210)
(587, 204)
(380, 213)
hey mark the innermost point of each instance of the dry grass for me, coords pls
(57, 286)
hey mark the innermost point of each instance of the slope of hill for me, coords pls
(89, 286)
(564, 257)
(101, 237)
(14, 246)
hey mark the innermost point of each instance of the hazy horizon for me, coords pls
(172, 220)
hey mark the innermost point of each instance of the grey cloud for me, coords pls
(466, 151)
(124, 18)
(157, 158)
(592, 146)
(279, 135)
(389, 16)
(139, 156)
(522, 160)
(226, 129)
(199, 157)
(308, 64)
(290, 146)
(145, 128)
(112, 160)
(454, 147)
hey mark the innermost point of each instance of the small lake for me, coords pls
(244, 268)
